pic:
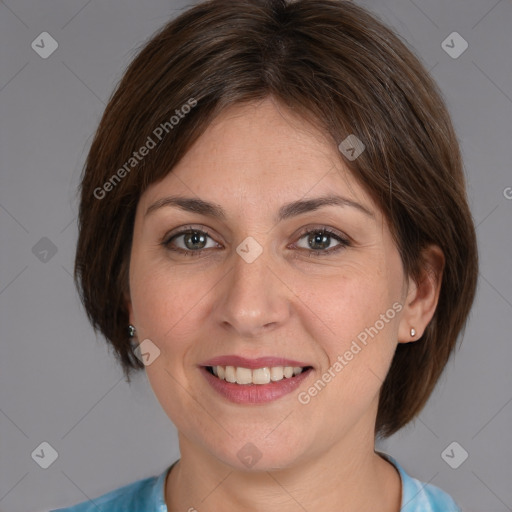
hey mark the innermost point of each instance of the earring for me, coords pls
(131, 331)
(413, 332)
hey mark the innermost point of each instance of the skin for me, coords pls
(251, 160)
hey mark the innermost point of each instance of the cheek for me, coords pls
(345, 306)
(164, 298)
(165, 304)
(355, 321)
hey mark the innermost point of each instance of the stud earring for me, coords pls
(131, 331)
(413, 332)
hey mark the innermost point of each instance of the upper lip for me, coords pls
(260, 362)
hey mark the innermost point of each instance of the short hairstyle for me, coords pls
(342, 69)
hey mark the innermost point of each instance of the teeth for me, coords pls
(260, 376)
(243, 376)
(240, 375)
(276, 373)
(230, 375)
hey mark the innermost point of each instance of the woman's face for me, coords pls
(262, 287)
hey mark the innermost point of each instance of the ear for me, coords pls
(422, 296)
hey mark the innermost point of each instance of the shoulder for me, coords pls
(146, 494)
(423, 497)
(419, 496)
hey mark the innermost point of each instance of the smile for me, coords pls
(258, 376)
(241, 385)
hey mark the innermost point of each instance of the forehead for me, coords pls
(256, 151)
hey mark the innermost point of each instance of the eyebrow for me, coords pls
(195, 205)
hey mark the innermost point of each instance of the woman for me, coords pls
(274, 224)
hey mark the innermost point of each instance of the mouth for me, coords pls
(254, 381)
(256, 376)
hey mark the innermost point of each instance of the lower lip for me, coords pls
(254, 393)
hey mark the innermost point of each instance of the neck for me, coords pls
(344, 479)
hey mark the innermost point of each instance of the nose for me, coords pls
(253, 298)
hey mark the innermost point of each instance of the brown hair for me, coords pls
(339, 67)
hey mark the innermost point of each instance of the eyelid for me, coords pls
(325, 229)
(183, 229)
(344, 240)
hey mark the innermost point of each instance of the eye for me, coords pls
(193, 241)
(318, 240)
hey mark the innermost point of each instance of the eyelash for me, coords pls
(318, 253)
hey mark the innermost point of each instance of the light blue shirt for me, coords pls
(147, 495)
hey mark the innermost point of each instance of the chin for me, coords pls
(259, 455)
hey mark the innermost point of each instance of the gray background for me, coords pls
(60, 384)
